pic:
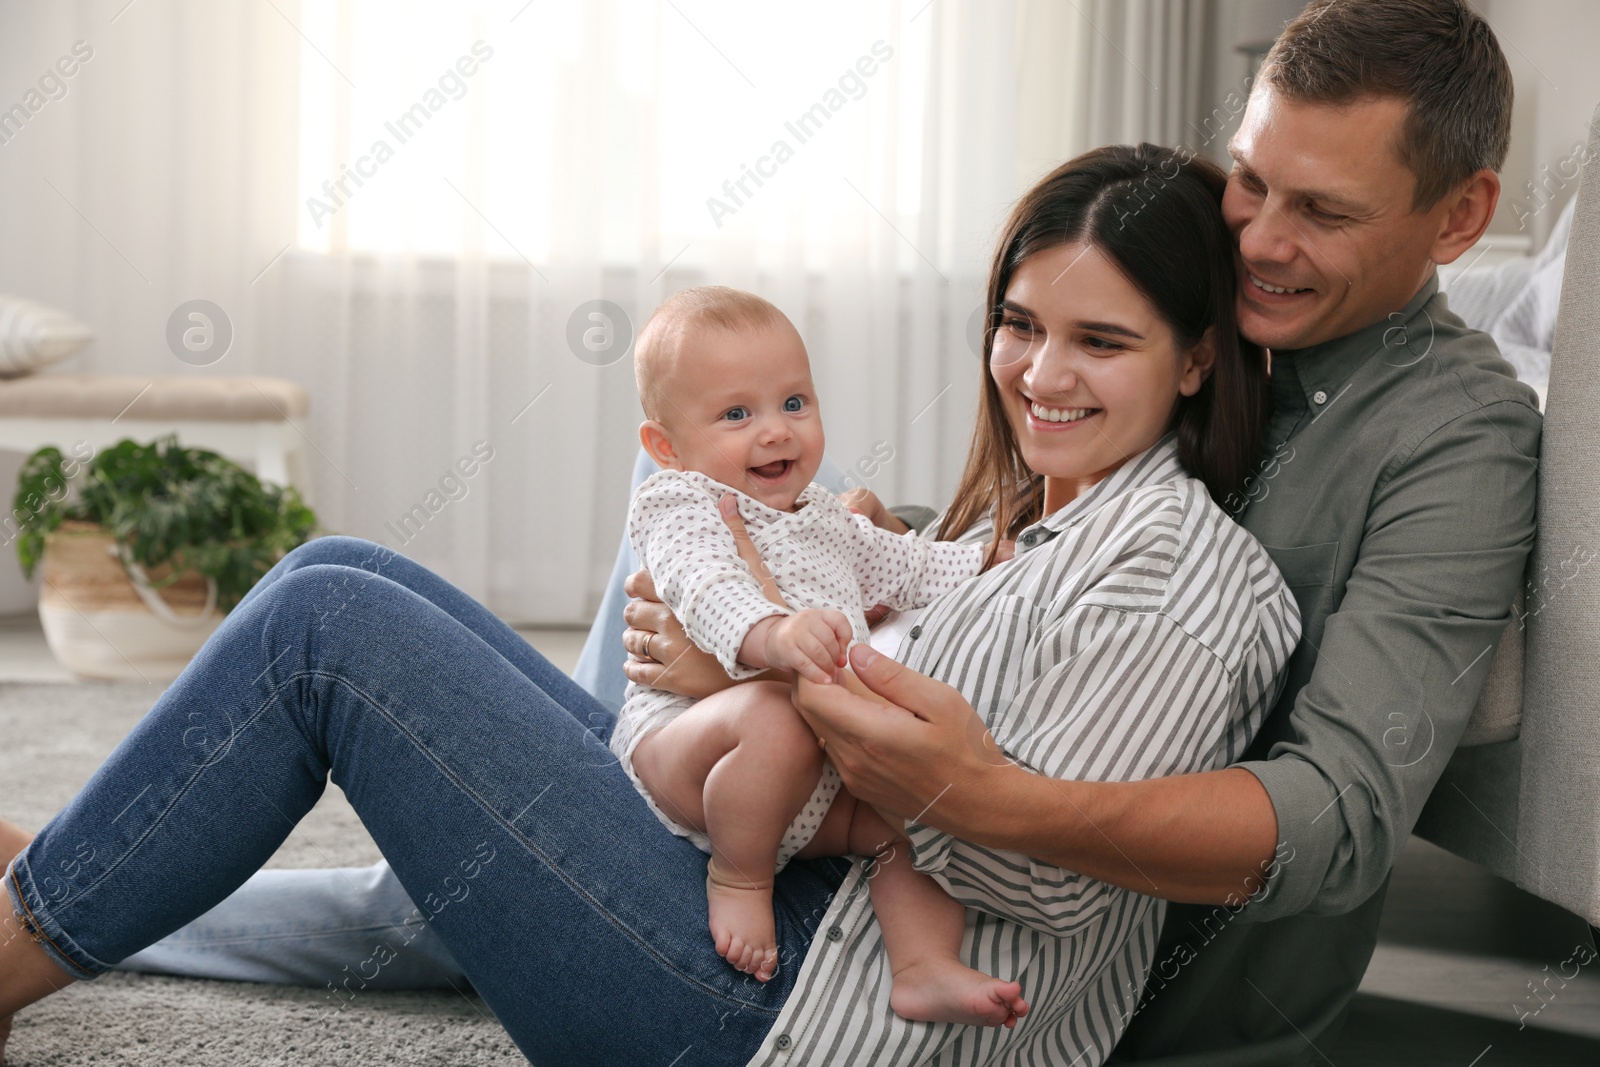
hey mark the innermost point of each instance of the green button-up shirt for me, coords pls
(1396, 495)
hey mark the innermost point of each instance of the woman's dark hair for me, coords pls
(1156, 213)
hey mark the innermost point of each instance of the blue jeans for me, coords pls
(303, 927)
(481, 772)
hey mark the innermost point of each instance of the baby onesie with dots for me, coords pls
(822, 556)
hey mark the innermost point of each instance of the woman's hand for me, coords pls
(674, 663)
(903, 742)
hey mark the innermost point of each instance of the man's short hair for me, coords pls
(680, 318)
(1440, 56)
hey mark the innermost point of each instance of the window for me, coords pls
(625, 131)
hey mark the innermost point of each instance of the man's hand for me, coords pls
(811, 643)
(912, 746)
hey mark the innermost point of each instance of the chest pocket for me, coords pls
(1309, 571)
(1006, 636)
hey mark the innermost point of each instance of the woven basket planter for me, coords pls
(102, 617)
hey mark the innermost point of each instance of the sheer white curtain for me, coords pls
(410, 208)
(1094, 72)
(849, 161)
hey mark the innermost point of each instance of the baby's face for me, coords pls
(741, 408)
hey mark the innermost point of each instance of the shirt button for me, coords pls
(784, 1041)
(916, 631)
(1319, 397)
(835, 934)
(1029, 538)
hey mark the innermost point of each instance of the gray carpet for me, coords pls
(52, 737)
(1485, 940)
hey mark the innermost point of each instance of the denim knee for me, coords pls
(322, 592)
(342, 550)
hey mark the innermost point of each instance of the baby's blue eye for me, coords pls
(736, 414)
(793, 404)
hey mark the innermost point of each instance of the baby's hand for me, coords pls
(811, 643)
(865, 502)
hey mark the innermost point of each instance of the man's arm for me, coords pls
(1403, 659)
(1443, 553)
(1196, 837)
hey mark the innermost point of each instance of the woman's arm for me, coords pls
(1204, 838)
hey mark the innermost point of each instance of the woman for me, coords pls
(1138, 632)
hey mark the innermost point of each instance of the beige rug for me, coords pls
(51, 739)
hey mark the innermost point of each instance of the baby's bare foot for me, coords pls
(944, 990)
(742, 926)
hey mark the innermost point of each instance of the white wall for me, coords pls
(16, 595)
(1552, 47)
(1236, 26)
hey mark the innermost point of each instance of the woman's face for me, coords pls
(1089, 373)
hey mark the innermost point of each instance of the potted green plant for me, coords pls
(144, 548)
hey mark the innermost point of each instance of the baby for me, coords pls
(732, 418)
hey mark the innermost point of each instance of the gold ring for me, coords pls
(647, 638)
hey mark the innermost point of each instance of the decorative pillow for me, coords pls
(32, 335)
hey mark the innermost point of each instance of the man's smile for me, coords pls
(1262, 286)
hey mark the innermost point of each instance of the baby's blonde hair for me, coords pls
(676, 322)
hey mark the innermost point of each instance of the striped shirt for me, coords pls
(1139, 632)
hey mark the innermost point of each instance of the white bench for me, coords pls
(247, 420)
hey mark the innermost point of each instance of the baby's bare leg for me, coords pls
(922, 929)
(739, 765)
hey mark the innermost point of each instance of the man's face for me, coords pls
(1320, 205)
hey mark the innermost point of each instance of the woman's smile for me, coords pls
(1088, 371)
(1042, 418)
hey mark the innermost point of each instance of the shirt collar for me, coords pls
(1156, 464)
(1320, 372)
(753, 510)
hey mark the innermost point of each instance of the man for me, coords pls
(1398, 500)
(1396, 494)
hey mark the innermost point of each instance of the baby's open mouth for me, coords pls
(772, 472)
